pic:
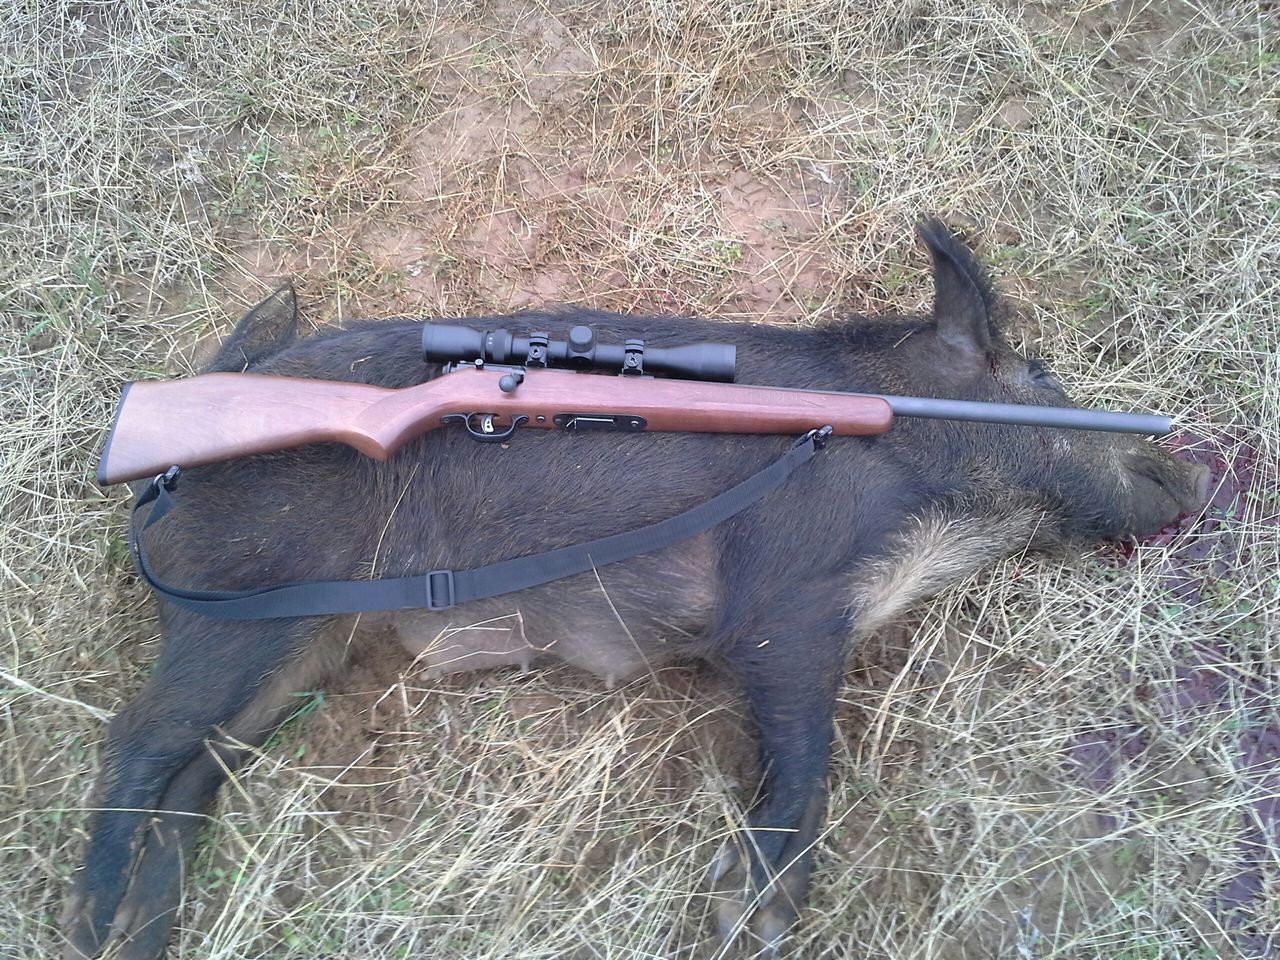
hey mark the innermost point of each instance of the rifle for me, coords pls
(495, 383)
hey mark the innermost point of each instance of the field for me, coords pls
(1062, 758)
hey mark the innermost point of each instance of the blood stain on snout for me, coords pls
(1210, 534)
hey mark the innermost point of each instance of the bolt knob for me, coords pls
(509, 382)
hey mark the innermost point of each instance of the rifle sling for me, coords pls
(442, 589)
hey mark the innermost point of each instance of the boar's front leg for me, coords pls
(166, 755)
(790, 664)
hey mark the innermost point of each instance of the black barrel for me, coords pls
(1020, 414)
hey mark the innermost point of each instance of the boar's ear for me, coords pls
(265, 329)
(961, 311)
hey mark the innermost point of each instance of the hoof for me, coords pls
(755, 903)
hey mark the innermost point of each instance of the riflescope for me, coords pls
(452, 343)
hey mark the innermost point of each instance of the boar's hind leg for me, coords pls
(790, 667)
(217, 689)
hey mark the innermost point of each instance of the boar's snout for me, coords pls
(1164, 489)
(1200, 484)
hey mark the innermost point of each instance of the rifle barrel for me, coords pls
(1071, 418)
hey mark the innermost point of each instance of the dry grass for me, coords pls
(1060, 759)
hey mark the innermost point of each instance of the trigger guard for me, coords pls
(479, 435)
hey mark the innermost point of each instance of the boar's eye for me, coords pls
(1040, 374)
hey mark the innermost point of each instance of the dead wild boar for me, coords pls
(775, 596)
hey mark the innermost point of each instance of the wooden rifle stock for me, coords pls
(221, 416)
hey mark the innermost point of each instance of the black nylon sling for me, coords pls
(441, 589)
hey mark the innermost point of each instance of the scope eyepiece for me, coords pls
(453, 343)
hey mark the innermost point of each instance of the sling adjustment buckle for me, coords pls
(439, 589)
